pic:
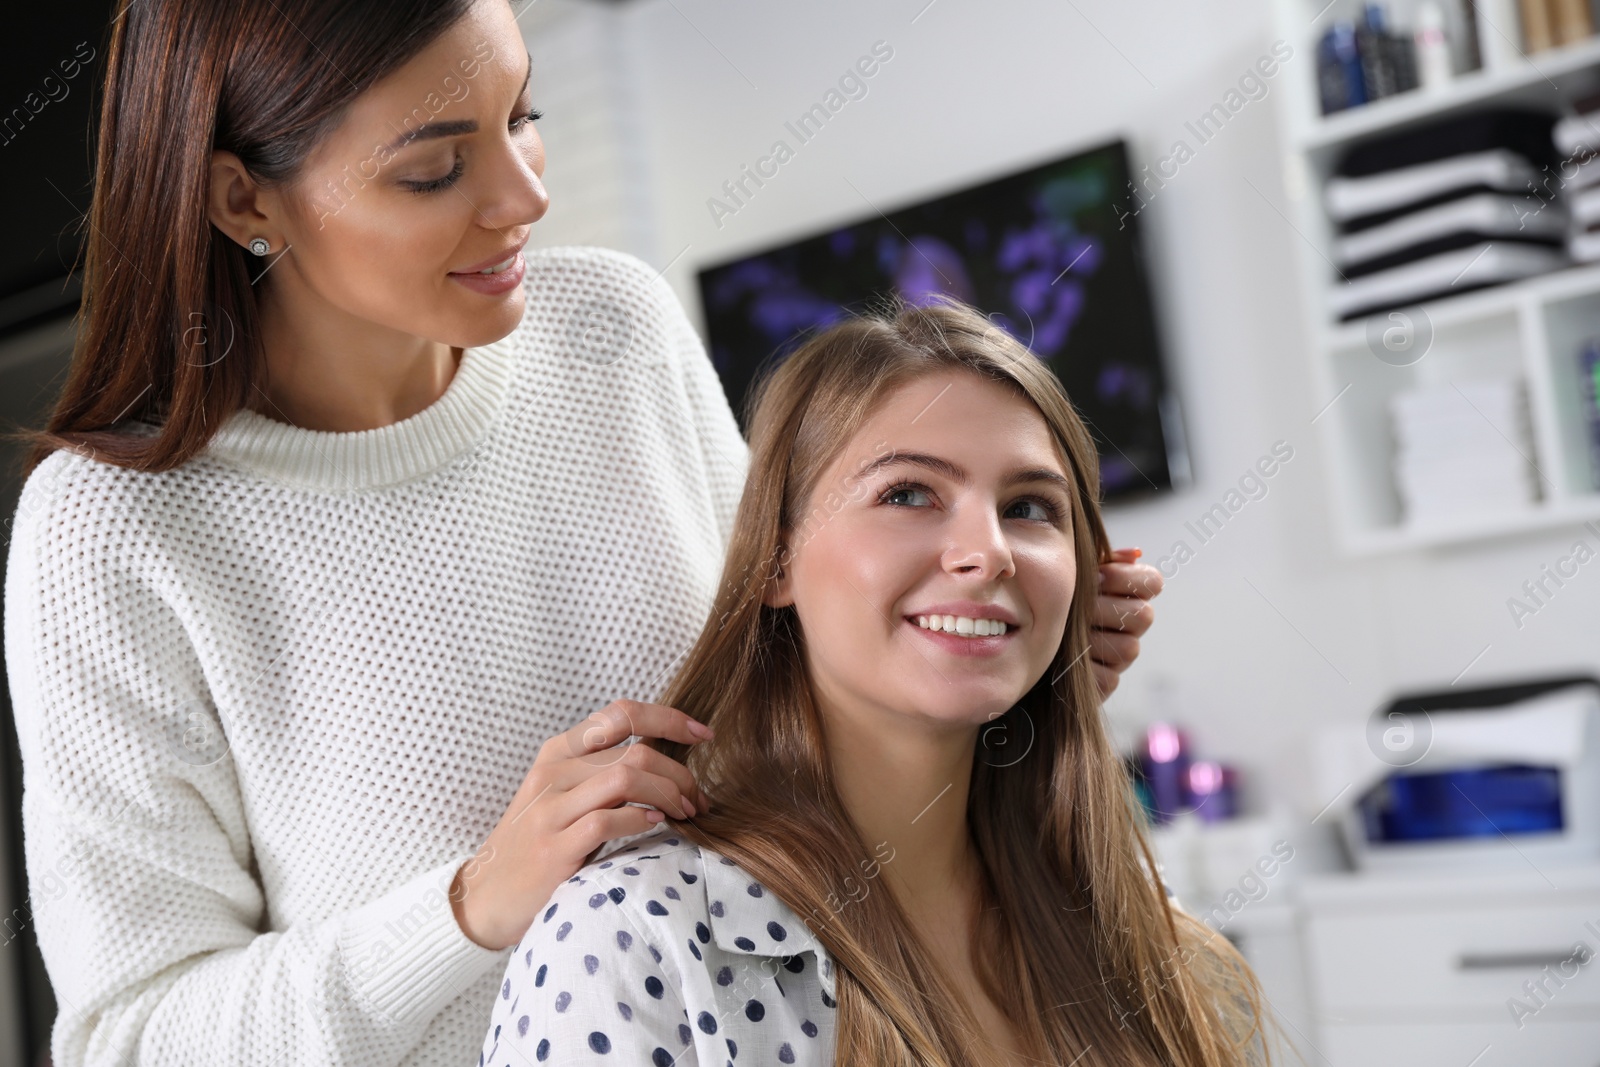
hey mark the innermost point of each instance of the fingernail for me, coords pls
(699, 729)
(688, 806)
(1137, 552)
(654, 816)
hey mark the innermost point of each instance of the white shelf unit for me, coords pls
(1534, 327)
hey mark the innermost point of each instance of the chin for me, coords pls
(489, 324)
(976, 709)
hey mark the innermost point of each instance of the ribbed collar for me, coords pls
(388, 455)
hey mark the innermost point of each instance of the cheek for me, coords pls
(1048, 576)
(853, 577)
(373, 252)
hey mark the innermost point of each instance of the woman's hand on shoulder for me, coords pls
(582, 791)
(1122, 615)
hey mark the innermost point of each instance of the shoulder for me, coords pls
(678, 899)
(592, 267)
(642, 891)
(607, 302)
(658, 945)
(77, 509)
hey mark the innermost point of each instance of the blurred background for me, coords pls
(1320, 275)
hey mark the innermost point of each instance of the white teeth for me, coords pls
(962, 626)
(498, 267)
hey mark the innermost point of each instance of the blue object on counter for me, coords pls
(1507, 799)
(1164, 761)
(1214, 788)
(1589, 392)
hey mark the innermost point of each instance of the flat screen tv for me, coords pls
(1051, 254)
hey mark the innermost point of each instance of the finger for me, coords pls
(645, 758)
(1130, 579)
(1113, 650)
(618, 785)
(1123, 614)
(605, 824)
(621, 719)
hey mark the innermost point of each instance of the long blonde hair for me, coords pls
(1076, 941)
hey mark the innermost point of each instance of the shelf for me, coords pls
(1577, 280)
(1541, 517)
(1549, 78)
(1531, 329)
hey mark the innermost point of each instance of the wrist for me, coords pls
(462, 890)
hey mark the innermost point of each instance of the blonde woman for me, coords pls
(922, 849)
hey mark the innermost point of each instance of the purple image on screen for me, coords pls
(1044, 253)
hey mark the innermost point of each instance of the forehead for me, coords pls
(463, 71)
(935, 405)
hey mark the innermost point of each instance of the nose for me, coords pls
(978, 547)
(513, 195)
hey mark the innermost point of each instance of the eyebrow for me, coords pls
(430, 131)
(959, 475)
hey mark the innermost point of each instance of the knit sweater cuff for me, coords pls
(405, 955)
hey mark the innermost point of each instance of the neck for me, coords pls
(908, 787)
(327, 370)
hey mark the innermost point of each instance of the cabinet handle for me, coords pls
(1495, 961)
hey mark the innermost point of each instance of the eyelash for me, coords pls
(1049, 505)
(434, 185)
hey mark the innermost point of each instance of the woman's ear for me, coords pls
(779, 592)
(235, 202)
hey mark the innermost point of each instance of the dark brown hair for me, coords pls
(1075, 939)
(164, 291)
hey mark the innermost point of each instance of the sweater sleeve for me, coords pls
(149, 911)
(727, 455)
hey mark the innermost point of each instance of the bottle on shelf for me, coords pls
(1499, 33)
(1570, 20)
(1388, 63)
(1359, 63)
(1553, 23)
(1538, 30)
(1433, 47)
(1339, 80)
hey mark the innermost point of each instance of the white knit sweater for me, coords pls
(270, 701)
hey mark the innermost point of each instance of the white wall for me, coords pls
(1266, 634)
(584, 80)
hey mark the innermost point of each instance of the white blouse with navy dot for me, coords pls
(660, 952)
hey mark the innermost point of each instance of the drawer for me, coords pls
(1541, 1043)
(1452, 958)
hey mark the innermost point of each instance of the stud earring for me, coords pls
(260, 246)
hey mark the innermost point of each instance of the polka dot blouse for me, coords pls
(660, 952)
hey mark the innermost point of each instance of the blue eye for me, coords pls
(1048, 511)
(1044, 509)
(897, 490)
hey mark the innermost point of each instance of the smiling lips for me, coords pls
(494, 265)
(504, 264)
(962, 625)
(493, 277)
